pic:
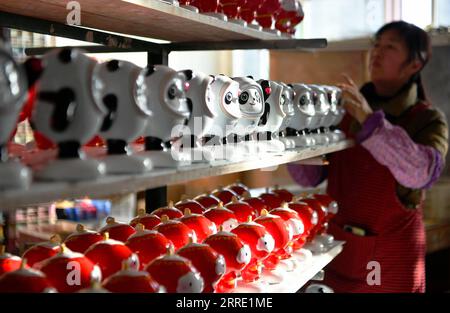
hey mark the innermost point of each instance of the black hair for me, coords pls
(418, 44)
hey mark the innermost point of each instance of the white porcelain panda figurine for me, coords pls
(201, 100)
(322, 109)
(251, 104)
(66, 113)
(120, 88)
(289, 110)
(166, 94)
(13, 92)
(227, 113)
(273, 116)
(336, 110)
(305, 117)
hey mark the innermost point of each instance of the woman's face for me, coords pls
(389, 60)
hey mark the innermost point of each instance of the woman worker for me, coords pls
(401, 144)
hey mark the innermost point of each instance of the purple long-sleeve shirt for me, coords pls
(413, 165)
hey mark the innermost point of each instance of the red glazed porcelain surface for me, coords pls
(176, 274)
(271, 199)
(131, 280)
(82, 239)
(222, 217)
(70, 271)
(148, 220)
(242, 210)
(193, 205)
(200, 224)
(148, 245)
(261, 244)
(207, 261)
(109, 255)
(117, 231)
(170, 210)
(24, 280)
(237, 255)
(225, 195)
(207, 200)
(42, 251)
(240, 189)
(177, 232)
(257, 203)
(8, 262)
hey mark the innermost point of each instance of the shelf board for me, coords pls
(301, 271)
(43, 192)
(144, 18)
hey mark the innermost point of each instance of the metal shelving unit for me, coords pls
(130, 26)
(41, 192)
(183, 29)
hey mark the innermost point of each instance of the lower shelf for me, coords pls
(293, 273)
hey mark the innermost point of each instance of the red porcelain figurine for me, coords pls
(308, 216)
(25, 280)
(207, 261)
(242, 210)
(170, 210)
(109, 255)
(257, 203)
(82, 239)
(177, 232)
(321, 211)
(261, 244)
(200, 224)
(224, 194)
(117, 231)
(8, 262)
(295, 223)
(208, 200)
(192, 205)
(271, 199)
(284, 194)
(147, 244)
(70, 271)
(280, 232)
(130, 280)
(240, 189)
(42, 251)
(222, 217)
(237, 255)
(176, 274)
(148, 220)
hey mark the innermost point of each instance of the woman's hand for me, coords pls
(353, 101)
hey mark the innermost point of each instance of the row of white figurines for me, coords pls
(184, 116)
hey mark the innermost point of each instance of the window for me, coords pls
(417, 12)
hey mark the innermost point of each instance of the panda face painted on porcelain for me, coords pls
(226, 94)
(65, 109)
(250, 104)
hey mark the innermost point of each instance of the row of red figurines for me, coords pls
(284, 15)
(254, 233)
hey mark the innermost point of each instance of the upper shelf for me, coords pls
(145, 18)
(41, 192)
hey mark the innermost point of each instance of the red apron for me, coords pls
(395, 235)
